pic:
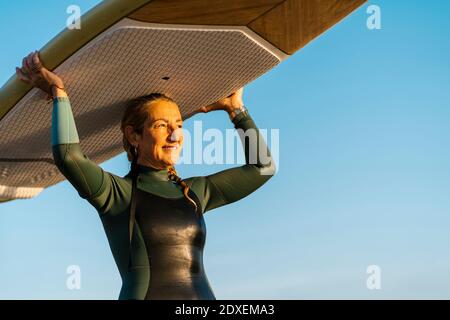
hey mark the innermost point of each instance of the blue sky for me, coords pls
(363, 179)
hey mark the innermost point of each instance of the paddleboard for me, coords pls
(195, 51)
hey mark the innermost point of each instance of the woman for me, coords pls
(153, 219)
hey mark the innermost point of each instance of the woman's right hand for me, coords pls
(35, 74)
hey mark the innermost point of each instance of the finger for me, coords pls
(211, 107)
(25, 65)
(35, 60)
(201, 109)
(238, 92)
(29, 58)
(206, 109)
(22, 76)
(30, 62)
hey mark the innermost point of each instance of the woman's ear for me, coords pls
(131, 135)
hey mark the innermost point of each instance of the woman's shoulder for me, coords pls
(116, 183)
(197, 184)
(196, 181)
(113, 195)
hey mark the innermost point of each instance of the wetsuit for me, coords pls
(166, 258)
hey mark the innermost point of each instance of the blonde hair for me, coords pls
(135, 115)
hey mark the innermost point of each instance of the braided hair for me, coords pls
(135, 115)
(174, 177)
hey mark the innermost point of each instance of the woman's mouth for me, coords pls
(170, 147)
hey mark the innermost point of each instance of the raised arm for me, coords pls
(233, 184)
(85, 175)
(94, 184)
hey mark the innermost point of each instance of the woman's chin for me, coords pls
(170, 162)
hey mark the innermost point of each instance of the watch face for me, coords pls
(239, 110)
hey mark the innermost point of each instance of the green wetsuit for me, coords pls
(168, 237)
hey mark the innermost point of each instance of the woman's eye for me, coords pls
(160, 125)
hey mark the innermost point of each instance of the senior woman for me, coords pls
(153, 219)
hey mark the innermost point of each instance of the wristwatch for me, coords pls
(237, 111)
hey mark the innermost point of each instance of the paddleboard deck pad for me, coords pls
(195, 51)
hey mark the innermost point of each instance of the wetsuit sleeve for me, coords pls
(233, 184)
(100, 188)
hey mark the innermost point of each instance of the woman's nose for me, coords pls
(175, 135)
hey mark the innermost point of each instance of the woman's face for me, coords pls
(162, 137)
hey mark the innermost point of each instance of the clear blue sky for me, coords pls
(364, 172)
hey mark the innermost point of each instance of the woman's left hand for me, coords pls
(229, 103)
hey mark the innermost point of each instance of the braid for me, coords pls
(174, 177)
(134, 165)
(134, 174)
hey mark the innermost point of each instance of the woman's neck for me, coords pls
(151, 165)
